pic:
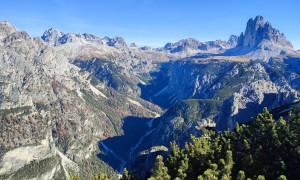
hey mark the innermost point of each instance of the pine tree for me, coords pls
(282, 177)
(174, 159)
(212, 173)
(241, 176)
(200, 177)
(74, 176)
(181, 174)
(101, 176)
(294, 134)
(126, 175)
(261, 177)
(226, 166)
(160, 172)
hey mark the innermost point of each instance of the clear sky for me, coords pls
(152, 22)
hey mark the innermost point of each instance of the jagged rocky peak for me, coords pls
(182, 45)
(233, 40)
(6, 28)
(191, 45)
(92, 38)
(118, 42)
(219, 44)
(257, 31)
(146, 48)
(15, 36)
(75, 37)
(133, 45)
(52, 36)
(9, 34)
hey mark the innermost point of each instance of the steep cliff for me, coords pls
(53, 114)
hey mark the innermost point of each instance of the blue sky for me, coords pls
(152, 22)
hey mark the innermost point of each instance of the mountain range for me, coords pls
(81, 103)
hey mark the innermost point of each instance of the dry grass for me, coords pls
(227, 58)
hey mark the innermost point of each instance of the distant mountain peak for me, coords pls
(257, 31)
(52, 36)
(133, 45)
(233, 40)
(192, 46)
(184, 44)
(6, 28)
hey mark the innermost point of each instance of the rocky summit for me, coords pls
(258, 31)
(79, 103)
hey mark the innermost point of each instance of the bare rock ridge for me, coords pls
(51, 111)
(6, 28)
(193, 45)
(54, 37)
(233, 40)
(257, 31)
(260, 41)
(183, 48)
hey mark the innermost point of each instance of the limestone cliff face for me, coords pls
(43, 108)
(55, 38)
(52, 36)
(233, 40)
(6, 28)
(52, 112)
(243, 89)
(191, 46)
(250, 101)
(257, 31)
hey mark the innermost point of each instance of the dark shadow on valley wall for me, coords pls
(116, 149)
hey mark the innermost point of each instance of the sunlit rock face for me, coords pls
(257, 31)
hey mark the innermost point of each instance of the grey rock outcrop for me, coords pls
(244, 89)
(182, 45)
(52, 36)
(55, 38)
(146, 48)
(18, 35)
(250, 101)
(51, 110)
(133, 45)
(117, 42)
(191, 46)
(257, 31)
(6, 28)
(233, 40)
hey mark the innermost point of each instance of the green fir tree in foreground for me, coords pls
(263, 149)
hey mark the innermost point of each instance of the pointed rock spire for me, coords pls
(257, 31)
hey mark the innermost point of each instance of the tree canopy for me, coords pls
(263, 149)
